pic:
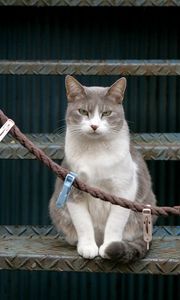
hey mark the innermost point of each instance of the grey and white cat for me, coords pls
(99, 150)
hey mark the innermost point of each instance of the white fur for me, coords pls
(95, 120)
(82, 221)
(106, 164)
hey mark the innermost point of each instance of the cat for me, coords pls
(98, 148)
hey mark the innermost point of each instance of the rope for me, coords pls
(96, 193)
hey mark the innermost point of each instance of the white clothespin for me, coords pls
(6, 128)
(147, 225)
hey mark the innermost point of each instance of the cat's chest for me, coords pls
(106, 169)
(92, 163)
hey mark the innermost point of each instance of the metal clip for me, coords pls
(64, 194)
(6, 128)
(147, 225)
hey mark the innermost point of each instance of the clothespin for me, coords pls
(64, 194)
(6, 128)
(147, 225)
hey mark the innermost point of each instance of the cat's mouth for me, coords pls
(94, 134)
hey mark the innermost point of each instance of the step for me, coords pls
(153, 146)
(89, 3)
(92, 67)
(41, 248)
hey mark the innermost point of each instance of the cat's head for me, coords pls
(95, 112)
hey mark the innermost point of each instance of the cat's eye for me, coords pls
(83, 112)
(106, 113)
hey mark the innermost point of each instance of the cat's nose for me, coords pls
(94, 127)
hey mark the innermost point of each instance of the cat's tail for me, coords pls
(126, 251)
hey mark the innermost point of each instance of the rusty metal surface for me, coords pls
(51, 144)
(157, 146)
(92, 67)
(41, 248)
(90, 2)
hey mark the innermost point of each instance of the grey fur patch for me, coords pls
(126, 251)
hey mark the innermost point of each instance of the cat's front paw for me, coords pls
(88, 250)
(102, 251)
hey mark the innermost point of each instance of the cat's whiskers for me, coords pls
(130, 122)
(60, 129)
(74, 127)
(61, 120)
(76, 132)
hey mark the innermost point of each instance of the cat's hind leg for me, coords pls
(126, 251)
(114, 228)
(123, 237)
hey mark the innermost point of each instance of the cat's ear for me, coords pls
(116, 91)
(74, 89)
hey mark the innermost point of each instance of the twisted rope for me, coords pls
(96, 193)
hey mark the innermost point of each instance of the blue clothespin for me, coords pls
(64, 194)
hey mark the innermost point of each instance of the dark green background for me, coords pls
(37, 104)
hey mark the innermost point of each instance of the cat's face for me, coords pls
(95, 112)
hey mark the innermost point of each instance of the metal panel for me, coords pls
(69, 286)
(90, 3)
(92, 67)
(41, 248)
(57, 33)
(157, 146)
